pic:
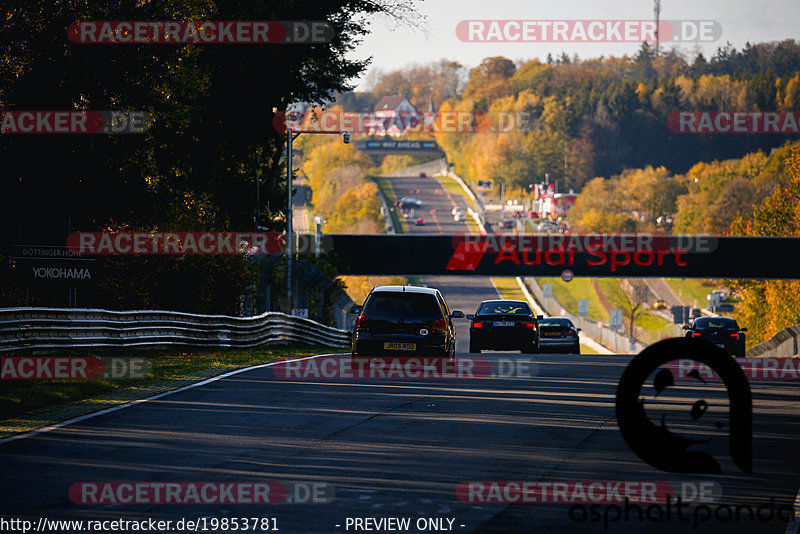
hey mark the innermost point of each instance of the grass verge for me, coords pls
(693, 290)
(29, 404)
(451, 185)
(386, 190)
(508, 288)
(569, 293)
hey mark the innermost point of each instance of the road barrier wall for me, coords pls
(784, 344)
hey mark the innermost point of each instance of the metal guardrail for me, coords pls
(47, 328)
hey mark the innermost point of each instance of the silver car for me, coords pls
(558, 334)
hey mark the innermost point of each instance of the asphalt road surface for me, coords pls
(392, 448)
(437, 208)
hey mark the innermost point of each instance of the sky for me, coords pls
(394, 46)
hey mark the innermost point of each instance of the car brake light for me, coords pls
(695, 334)
(735, 335)
(477, 325)
(439, 324)
(362, 322)
(570, 334)
(530, 325)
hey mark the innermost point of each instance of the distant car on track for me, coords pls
(547, 226)
(558, 334)
(420, 221)
(409, 202)
(507, 223)
(504, 324)
(459, 216)
(722, 331)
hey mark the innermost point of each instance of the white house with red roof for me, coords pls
(391, 116)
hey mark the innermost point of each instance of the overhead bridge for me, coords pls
(598, 255)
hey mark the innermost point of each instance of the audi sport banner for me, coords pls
(618, 255)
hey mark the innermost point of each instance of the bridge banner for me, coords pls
(617, 255)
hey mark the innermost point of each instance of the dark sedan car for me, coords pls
(558, 334)
(404, 321)
(504, 325)
(722, 331)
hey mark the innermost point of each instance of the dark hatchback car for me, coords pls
(504, 325)
(404, 321)
(558, 334)
(722, 331)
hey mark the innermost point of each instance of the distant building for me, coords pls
(392, 115)
(550, 204)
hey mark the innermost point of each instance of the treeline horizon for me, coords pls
(596, 117)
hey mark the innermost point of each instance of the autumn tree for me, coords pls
(213, 143)
(769, 305)
(632, 299)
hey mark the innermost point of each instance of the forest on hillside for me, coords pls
(596, 117)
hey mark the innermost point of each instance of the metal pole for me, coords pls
(258, 187)
(318, 237)
(289, 231)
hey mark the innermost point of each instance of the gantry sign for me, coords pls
(618, 255)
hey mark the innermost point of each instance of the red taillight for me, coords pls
(362, 322)
(695, 334)
(477, 325)
(530, 325)
(735, 336)
(439, 324)
(570, 334)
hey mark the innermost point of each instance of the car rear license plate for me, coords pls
(399, 346)
(551, 334)
(503, 323)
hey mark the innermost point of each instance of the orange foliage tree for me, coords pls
(770, 305)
